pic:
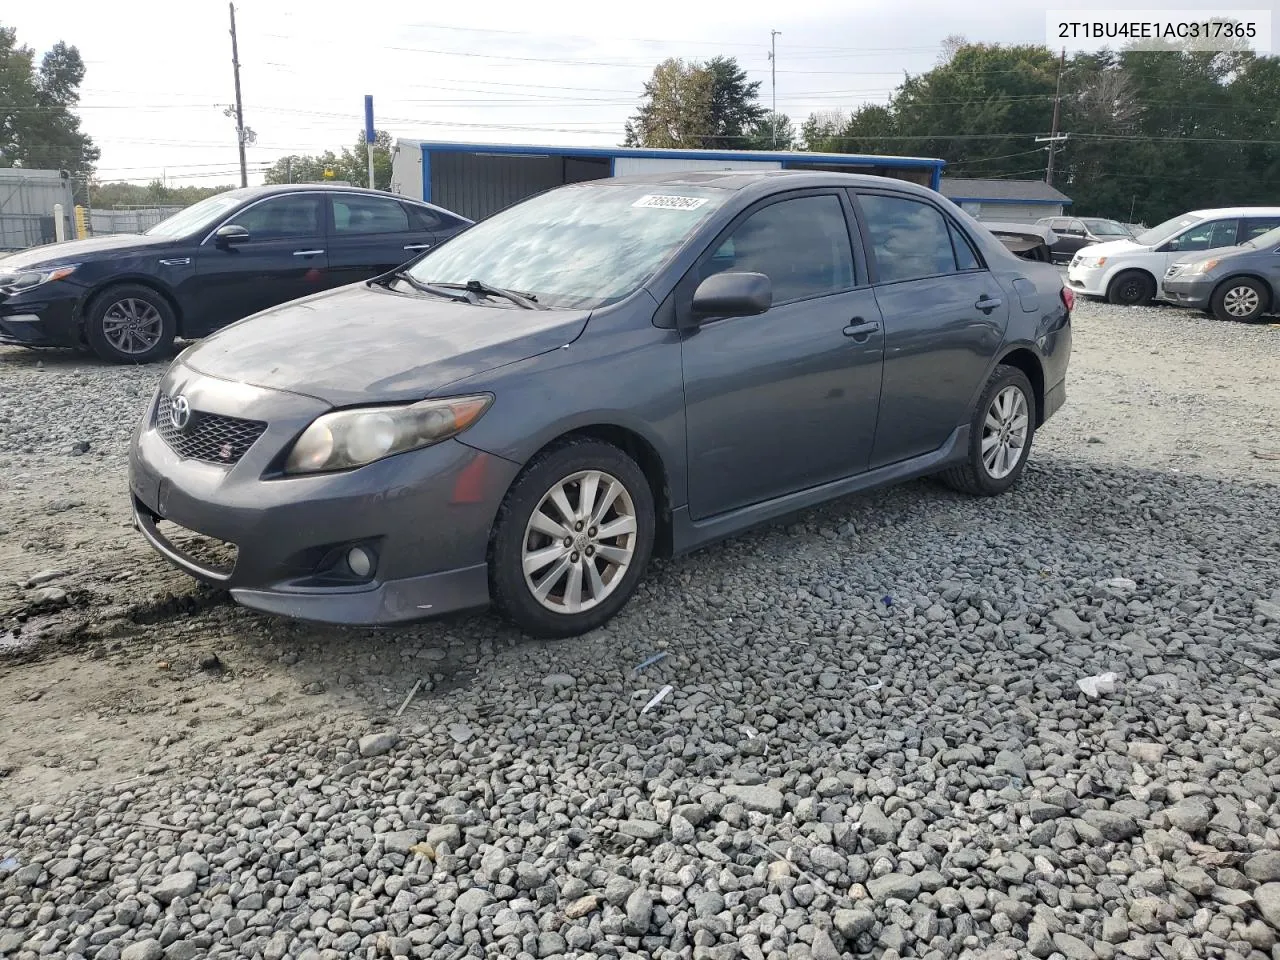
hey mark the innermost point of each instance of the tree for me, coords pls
(705, 106)
(38, 126)
(760, 135)
(120, 194)
(351, 165)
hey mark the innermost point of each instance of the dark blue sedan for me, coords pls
(219, 260)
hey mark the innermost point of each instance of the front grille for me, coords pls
(210, 437)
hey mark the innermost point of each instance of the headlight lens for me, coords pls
(1200, 266)
(352, 438)
(25, 280)
(1096, 262)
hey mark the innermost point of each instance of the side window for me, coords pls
(424, 218)
(1076, 228)
(1208, 235)
(1059, 225)
(966, 259)
(910, 238)
(283, 218)
(1257, 226)
(356, 214)
(801, 245)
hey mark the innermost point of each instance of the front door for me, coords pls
(944, 319)
(371, 235)
(1206, 235)
(785, 400)
(283, 259)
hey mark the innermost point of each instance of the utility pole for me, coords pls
(235, 63)
(773, 81)
(1053, 134)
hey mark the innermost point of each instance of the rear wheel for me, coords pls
(572, 539)
(130, 323)
(1242, 299)
(1132, 288)
(1000, 436)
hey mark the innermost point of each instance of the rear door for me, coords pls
(944, 317)
(283, 259)
(370, 235)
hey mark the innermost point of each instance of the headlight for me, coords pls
(1200, 266)
(352, 438)
(19, 281)
(1095, 261)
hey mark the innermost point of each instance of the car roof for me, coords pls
(268, 189)
(764, 181)
(1236, 212)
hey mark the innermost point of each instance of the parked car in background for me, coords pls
(1075, 233)
(1030, 241)
(1238, 283)
(603, 370)
(230, 255)
(1131, 271)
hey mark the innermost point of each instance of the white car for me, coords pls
(1131, 272)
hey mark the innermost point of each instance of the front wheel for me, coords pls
(1000, 437)
(1132, 288)
(130, 323)
(1241, 299)
(572, 539)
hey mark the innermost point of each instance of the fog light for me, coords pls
(360, 562)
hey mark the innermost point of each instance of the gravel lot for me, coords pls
(875, 743)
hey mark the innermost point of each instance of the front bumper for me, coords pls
(425, 516)
(1089, 281)
(28, 320)
(1189, 292)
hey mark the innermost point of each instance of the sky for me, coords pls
(159, 74)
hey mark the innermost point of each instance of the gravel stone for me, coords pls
(142, 950)
(875, 741)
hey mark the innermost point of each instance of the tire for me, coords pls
(130, 323)
(1242, 299)
(1131, 288)
(975, 476)
(568, 468)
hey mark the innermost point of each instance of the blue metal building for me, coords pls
(477, 180)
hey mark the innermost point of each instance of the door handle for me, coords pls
(861, 329)
(307, 253)
(987, 304)
(417, 246)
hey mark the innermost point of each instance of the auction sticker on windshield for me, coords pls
(670, 203)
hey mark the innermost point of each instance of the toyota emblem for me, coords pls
(180, 412)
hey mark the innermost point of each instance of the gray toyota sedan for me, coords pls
(608, 370)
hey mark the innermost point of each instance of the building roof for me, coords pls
(835, 159)
(1007, 191)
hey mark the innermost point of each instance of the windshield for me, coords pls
(1158, 235)
(196, 216)
(579, 246)
(1269, 239)
(1106, 228)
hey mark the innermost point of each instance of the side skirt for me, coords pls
(687, 534)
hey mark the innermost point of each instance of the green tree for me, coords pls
(760, 134)
(38, 125)
(121, 194)
(350, 165)
(696, 105)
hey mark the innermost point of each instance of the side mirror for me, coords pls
(230, 235)
(732, 295)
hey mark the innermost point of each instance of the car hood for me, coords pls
(1114, 248)
(72, 251)
(362, 344)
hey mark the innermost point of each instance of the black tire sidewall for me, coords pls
(1122, 280)
(506, 574)
(1218, 307)
(1004, 377)
(96, 312)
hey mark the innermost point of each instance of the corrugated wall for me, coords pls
(477, 185)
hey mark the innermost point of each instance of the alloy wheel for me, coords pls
(579, 542)
(1241, 301)
(1004, 432)
(132, 326)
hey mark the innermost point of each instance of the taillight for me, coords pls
(1068, 299)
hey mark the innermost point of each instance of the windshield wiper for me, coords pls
(421, 287)
(482, 289)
